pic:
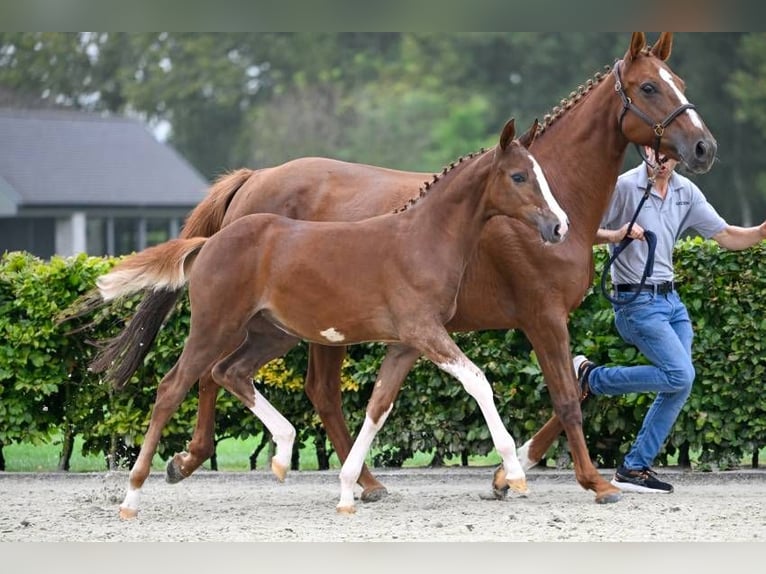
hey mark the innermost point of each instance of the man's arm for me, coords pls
(737, 238)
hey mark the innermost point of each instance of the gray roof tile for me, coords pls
(57, 158)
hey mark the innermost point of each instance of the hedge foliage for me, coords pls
(46, 390)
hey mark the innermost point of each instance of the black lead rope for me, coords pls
(651, 241)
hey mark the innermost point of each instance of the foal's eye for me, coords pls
(518, 177)
(648, 88)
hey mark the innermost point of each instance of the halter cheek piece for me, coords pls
(651, 238)
(627, 104)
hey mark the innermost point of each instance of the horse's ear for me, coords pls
(528, 136)
(509, 131)
(663, 45)
(637, 43)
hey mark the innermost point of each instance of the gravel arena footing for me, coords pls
(435, 505)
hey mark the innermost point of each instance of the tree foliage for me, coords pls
(404, 100)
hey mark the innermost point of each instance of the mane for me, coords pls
(574, 97)
(437, 177)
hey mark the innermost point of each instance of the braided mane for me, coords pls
(574, 97)
(567, 103)
(437, 177)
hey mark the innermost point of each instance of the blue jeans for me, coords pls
(659, 326)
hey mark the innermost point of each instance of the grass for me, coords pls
(233, 455)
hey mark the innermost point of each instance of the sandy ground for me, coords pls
(438, 505)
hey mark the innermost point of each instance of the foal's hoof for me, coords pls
(609, 496)
(518, 486)
(280, 471)
(128, 513)
(374, 494)
(173, 471)
(347, 510)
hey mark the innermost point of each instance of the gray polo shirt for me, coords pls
(684, 207)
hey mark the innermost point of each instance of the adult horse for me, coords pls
(581, 146)
(266, 271)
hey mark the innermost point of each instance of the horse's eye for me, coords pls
(648, 88)
(518, 177)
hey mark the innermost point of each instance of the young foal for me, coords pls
(392, 278)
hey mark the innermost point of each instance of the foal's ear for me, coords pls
(509, 131)
(637, 43)
(663, 45)
(528, 136)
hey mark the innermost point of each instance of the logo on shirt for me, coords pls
(683, 202)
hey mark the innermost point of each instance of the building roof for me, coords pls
(66, 158)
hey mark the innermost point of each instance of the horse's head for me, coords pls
(518, 187)
(655, 110)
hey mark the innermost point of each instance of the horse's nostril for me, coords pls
(701, 149)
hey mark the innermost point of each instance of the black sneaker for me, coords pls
(582, 368)
(643, 480)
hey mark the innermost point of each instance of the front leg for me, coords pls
(396, 364)
(550, 339)
(323, 390)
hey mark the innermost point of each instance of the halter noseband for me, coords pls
(627, 104)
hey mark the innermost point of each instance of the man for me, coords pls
(657, 321)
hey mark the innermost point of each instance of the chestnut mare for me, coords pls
(581, 146)
(391, 278)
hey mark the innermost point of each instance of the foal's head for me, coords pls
(517, 186)
(655, 109)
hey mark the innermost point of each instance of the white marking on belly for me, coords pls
(332, 335)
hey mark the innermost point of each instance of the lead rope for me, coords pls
(651, 241)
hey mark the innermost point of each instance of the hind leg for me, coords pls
(263, 343)
(323, 390)
(198, 354)
(235, 373)
(202, 444)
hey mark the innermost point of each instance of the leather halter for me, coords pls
(651, 238)
(657, 127)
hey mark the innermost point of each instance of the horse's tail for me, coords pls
(119, 357)
(207, 217)
(162, 269)
(163, 266)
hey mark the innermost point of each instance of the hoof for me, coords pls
(495, 494)
(173, 472)
(279, 470)
(374, 494)
(518, 486)
(609, 497)
(499, 484)
(347, 510)
(128, 513)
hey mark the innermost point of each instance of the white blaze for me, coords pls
(548, 196)
(693, 115)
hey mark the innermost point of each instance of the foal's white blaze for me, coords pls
(693, 115)
(548, 196)
(332, 335)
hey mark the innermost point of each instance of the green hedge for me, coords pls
(46, 389)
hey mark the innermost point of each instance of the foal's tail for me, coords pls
(162, 267)
(119, 357)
